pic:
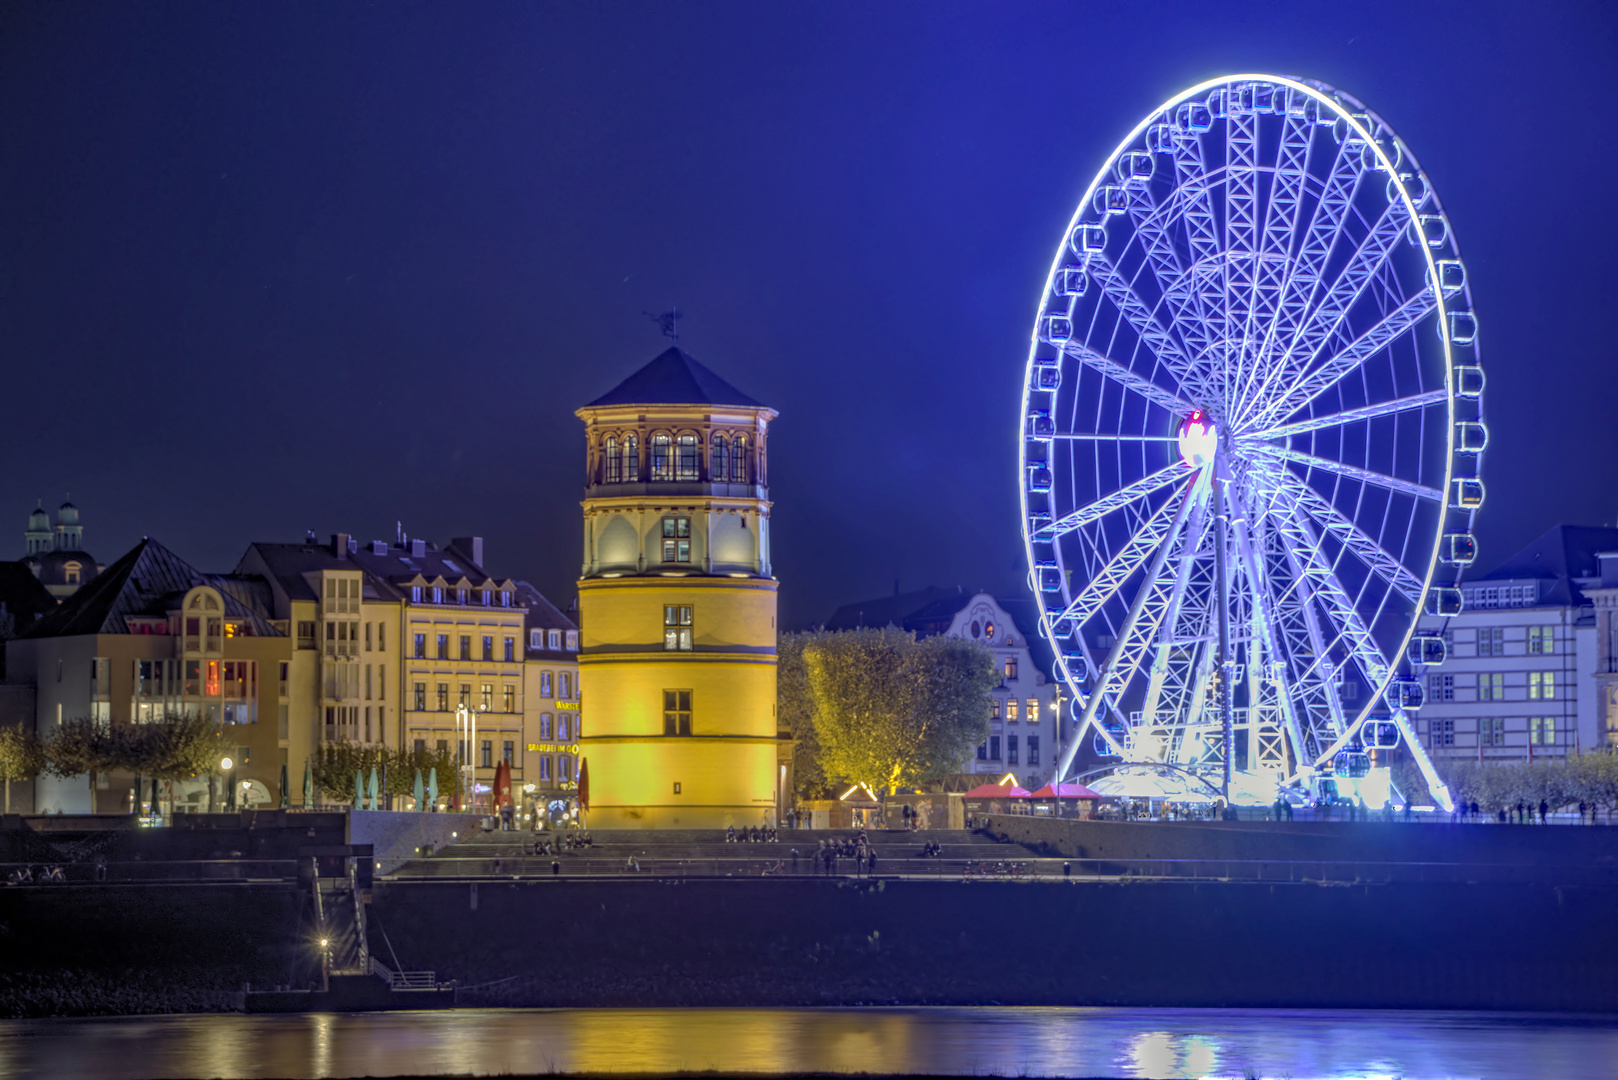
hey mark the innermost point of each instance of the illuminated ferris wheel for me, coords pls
(1251, 440)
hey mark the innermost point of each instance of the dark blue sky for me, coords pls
(275, 267)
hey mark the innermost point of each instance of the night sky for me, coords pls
(274, 267)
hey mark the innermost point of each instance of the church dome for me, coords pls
(67, 514)
(39, 520)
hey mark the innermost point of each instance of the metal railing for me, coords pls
(44, 873)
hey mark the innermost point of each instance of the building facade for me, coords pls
(677, 604)
(555, 708)
(1527, 660)
(1025, 726)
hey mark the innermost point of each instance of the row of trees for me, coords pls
(1590, 778)
(880, 708)
(176, 746)
(335, 766)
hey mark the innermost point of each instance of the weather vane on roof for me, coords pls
(668, 322)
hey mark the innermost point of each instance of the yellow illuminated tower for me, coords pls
(677, 603)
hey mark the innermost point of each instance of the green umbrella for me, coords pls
(432, 787)
(371, 791)
(286, 796)
(308, 786)
(421, 793)
(359, 791)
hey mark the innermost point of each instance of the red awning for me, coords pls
(1067, 791)
(997, 791)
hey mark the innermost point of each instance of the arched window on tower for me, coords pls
(719, 460)
(631, 459)
(662, 458)
(614, 471)
(738, 461)
(685, 462)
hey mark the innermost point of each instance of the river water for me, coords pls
(1235, 1043)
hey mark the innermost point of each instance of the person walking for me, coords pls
(1544, 812)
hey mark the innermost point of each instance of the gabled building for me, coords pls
(551, 689)
(1524, 658)
(152, 634)
(1025, 728)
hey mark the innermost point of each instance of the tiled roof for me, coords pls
(925, 610)
(543, 615)
(25, 599)
(674, 378)
(1561, 554)
(149, 580)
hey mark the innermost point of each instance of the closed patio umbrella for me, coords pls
(420, 792)
(359, 791)
(432, 787)
(286, 796)
(308, 786)
(372, 789)
(157, 809)
(584, 790)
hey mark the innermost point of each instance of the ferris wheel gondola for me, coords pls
(1251, 437)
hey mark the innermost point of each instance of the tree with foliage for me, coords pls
(80, 747)
(334, 766)
(795, 713)
(22, 757)
(174, 746)
(891, 711)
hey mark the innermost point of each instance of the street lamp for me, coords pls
(466, 733)
(226, 766)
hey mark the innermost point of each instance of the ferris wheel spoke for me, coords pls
(1353, 416)
(1128, 495)
(1267, 631)
(1314, 383)
(1352, 472)
(1306, 500)
(1126, 378)
(1151, 227)
(1135, 553)
(1134, 310)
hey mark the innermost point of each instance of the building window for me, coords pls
(70, 572)
(544, 725)
(534, 639)
(994, 748)
(486, 754)
(421, 647)
(564, 769)
(443, 697)
(545, 767)
(1541, 685)
(381, 684)
(306, 634)
(676, 539)
(1033, 749)
(1542, 730)
(1011, 749)
(509, 752)
(466, 695)
(1010, 669)
(1542, 640)
(421, 697)
(438, 594)
(738, 460)
(662, 458)
(564, 730)
(631, 459)
(505, 597)
(511, 650)
(719, 462)
(420, 746)
(466, 647)
(677, 628)
(486, 697)
(615, 464)
(1012, 710)
(994, 708)
(983, 751)
(508, 699)
(1491, 641)
(1491, 686)
(443, 646)
(1440, 688)
(572, 640)
(1492, 731)
(685, 462)
(415, 594)
(545, 684)
(676, 712)
(565, 690)
(1348, 690)
(1033, 713)
(488, 647)
(556, 641)
(1441, 733)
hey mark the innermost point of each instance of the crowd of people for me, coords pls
(750, 835)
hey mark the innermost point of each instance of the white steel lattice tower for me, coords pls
(1250, 440)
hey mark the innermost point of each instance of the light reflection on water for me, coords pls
(1232, 1043)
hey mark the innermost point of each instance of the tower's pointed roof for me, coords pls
(674, 378)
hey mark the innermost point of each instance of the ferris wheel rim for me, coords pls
(1343, 108)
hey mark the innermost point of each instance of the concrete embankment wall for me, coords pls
(1518, 845)
(826, 941)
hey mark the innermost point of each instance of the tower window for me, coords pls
(719, 462)
(738, 460)
(677, 628)
(685, 463)
(631, 459)
(676, 712)
(614, 473)
(662, 458)
(677, 540)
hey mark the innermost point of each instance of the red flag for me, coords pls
(584, 785)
